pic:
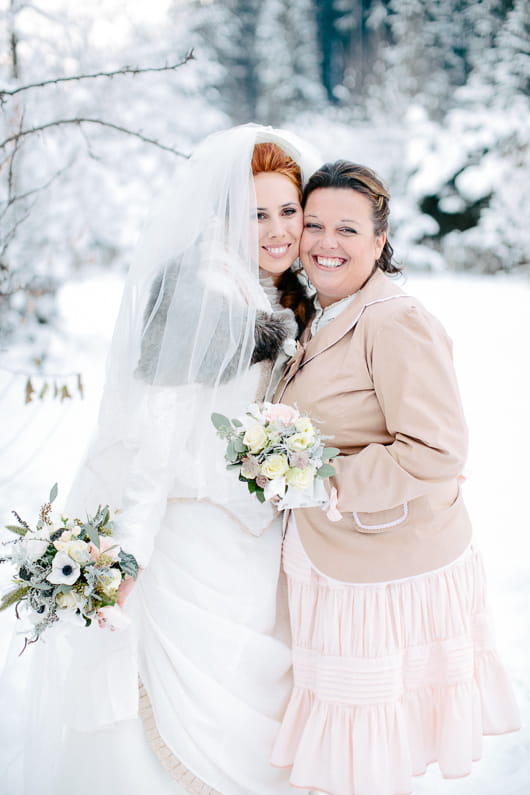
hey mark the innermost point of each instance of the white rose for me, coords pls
(300, 478)
(78, 550)
(70, 600)
(304, 425)
(110, 580)
(301, 441)
(256, 438)
(275, 466)
(63, 539)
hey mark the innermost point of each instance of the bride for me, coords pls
(189, 696)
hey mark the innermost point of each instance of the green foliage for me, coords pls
(128, 564)
(221, 423)
(91, 532)
(18, 529)
(13, 597)
(330, 452)
(326, 471)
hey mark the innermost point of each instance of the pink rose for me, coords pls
(280, 412)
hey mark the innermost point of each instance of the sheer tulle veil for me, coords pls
(184, 335)
(181, 349)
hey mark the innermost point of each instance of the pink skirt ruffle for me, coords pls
(389, 677)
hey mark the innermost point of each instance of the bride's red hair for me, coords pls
(270, 158)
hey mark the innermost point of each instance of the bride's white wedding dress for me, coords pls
(210, 643)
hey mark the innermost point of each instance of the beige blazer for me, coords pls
(380, 378)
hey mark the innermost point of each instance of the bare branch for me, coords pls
(13, 198)
(100, 122)
(8, 237)
(126, 70)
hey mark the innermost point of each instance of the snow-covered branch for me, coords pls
(79, 121)
(125, 70)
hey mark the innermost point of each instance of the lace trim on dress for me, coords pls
(174, 766)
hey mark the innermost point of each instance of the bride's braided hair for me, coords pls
(270, 158)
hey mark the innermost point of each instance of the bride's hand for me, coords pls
(125, 588)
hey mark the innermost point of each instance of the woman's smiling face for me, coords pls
(279, 215)
(339, 247)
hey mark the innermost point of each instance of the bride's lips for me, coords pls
(327, 263)
(277, 252)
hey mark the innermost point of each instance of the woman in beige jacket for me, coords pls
(394, 666)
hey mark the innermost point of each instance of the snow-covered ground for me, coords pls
(489, 320)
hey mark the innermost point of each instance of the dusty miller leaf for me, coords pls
(325, 471)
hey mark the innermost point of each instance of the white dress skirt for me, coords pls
(214, 658)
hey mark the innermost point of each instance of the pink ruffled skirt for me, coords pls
(389, 677)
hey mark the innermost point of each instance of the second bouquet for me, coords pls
(279, 453)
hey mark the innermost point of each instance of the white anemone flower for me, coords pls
(65, 571)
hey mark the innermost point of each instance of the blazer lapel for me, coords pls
(378, 288)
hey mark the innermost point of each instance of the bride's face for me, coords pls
(279, 217)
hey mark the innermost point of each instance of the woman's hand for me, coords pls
(125, 588)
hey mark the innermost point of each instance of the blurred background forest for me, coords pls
(434, 94)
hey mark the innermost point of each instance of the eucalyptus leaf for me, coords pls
(237, 423)
(330, 452)
(53, 493)
(325, 471)
(234, 466)
(105, 516)
(92, 533)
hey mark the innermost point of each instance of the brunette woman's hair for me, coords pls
(344, 174)
(269, 158)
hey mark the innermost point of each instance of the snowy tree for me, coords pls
(287, 60)
(434, 48)
(82, 189)
(223, 33)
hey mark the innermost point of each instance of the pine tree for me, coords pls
(223, 33)
(287, 60)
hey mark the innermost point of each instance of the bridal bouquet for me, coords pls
(278, 453)
(66, 569)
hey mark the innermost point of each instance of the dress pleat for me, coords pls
(389, 677)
